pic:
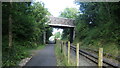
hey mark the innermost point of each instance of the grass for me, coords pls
(40, 47)
(61, 57)
(110, 48)
(34, 50)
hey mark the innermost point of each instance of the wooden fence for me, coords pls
(64, 44)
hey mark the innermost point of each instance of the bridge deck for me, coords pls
(63, 22)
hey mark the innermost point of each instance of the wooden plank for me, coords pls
(100, 59)
(77, 54)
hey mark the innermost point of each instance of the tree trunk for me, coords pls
(10, 27)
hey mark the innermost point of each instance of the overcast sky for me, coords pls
(56, 6)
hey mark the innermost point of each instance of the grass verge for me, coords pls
(61, 57)
(20, 50)
(108, 48)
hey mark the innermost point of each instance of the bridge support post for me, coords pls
(44, 37)
(73, 33)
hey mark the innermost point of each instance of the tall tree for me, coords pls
(23, 26)
(10, 27)
(98, 23)
(68, 13)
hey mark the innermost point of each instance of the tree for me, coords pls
(49, 33)
(98, 22)
(28, 24)
(68, 13)
(57, 35)
(97, 15)
(10, 27)
(40, 17)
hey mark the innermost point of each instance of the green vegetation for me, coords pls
(66, 34)
(68, 13)
(61, 57)
(23, 26)
(49, 33)
(40, 47)
(97, 25)
(57, 35)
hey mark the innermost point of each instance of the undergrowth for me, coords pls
(110, 48)
(62, 57)
(11, 56)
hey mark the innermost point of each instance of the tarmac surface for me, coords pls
(44, 57)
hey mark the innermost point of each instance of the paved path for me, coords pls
(44, 57)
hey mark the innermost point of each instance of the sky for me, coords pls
(57, 30)
(56, 6)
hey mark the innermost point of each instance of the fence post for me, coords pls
(68, 52)
(77, 54)
(100, 59)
